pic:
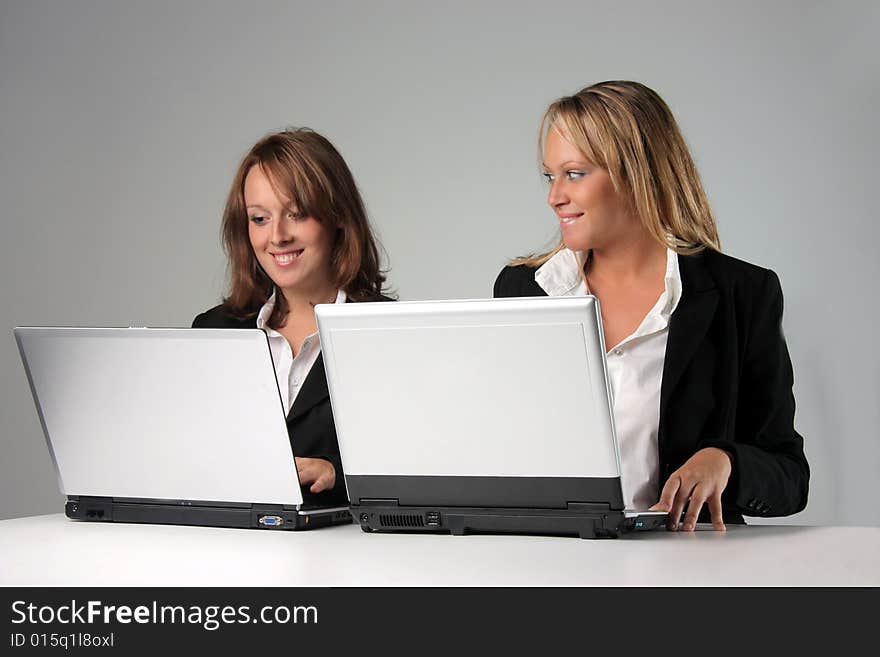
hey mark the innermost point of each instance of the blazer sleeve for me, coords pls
(770, 475)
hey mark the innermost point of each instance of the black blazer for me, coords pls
(727, 382)
(310, 421)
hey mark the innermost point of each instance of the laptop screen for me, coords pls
(164, 414)
(501, 388)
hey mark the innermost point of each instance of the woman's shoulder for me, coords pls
(369, 297)
(729, 271)
(745, 282)
(517, 281)
(220, 317)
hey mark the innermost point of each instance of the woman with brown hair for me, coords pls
(700, 374)
(296, 234)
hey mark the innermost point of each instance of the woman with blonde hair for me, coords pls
(701, 377)
(296, 234)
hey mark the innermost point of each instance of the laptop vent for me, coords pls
(401, 520)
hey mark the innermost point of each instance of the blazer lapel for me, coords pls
(689, 322)
(313, 391)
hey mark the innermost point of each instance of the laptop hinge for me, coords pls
(378, 501)
(589, 507)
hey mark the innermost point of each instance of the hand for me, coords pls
(320, 473)
(700, 480)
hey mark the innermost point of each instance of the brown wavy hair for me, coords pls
(305, 166)
(625, 128)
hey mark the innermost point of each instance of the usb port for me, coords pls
(432, 518)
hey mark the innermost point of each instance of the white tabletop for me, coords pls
(52, 550)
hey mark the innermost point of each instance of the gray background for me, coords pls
(121, 125)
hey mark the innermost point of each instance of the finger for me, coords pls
(698, 498)
(681, 498)
(715, 511)
(307, 474)
(327, 479)
(667, 495)
(321, 482)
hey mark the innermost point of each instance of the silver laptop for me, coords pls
(179, 426)
(476, 416)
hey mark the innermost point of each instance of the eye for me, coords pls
(258, 220)
(295, 215)
(548, 177)
(575, 175)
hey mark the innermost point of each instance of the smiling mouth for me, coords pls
(569, 219)
(285, 259)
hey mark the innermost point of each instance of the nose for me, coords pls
(282, 230)
(557, 197)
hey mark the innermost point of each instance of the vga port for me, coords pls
(270, 521)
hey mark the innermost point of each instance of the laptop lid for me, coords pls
(499, 402)
(161, 414)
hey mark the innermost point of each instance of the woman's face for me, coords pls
(591, 213)
(293, 249)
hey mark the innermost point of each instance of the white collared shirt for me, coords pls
(291, 371)
(635, 370)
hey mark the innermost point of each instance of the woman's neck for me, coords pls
(300, 301)
(633, 260)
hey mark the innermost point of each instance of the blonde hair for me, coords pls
(628, 130)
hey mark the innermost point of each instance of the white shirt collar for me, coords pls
(561, 276)
(673, 284)
(266, 311)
